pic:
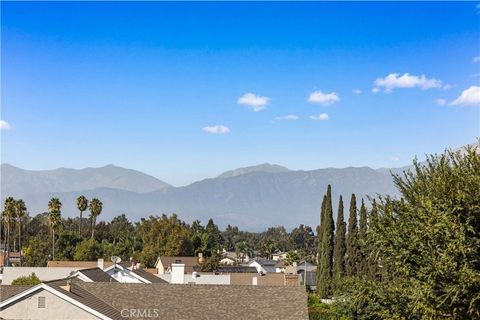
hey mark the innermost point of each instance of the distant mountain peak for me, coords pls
(264, 167)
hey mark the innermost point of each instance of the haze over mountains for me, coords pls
(252, 197)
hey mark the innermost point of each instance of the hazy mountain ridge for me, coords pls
(250, 198)
(24, 182)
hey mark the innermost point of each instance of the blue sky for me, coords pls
(184, 91)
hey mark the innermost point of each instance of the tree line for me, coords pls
(50, 236)
(412, 257)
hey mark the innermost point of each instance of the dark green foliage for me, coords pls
(340, 246)
(27, 280)
(36, 252)
(362, 241)
(88, 250)
(427, 245)
(352, 256)
(325, 263)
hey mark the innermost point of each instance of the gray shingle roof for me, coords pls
(97, 275)
(204, 301)
(7, 291)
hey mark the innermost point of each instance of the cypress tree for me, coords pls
(340, 246)
(351, 260)
(362, 236)
(325, 266)
(372, 263)
(319, 235)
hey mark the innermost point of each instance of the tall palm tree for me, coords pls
(7, 216)
(54, 211)
(20, 211)
(95, 208)
(82, 205)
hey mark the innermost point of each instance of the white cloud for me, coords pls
(395, 159)
(321, 117)
(218, 129)
(357, 91)
(323, 98)
(395, 80)
(476, 59)
(470, 96)
(441, 102)
(4, 125)
(253, 101)
(287, 117)
(375, 90)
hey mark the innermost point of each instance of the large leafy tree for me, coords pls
(426, 244)
(95, 208)
(340, 246)
(54, 218)
(325, 266)
(82, 205)
(352, 256)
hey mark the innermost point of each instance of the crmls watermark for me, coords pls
(140, 313)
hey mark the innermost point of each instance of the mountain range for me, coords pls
(252, 197)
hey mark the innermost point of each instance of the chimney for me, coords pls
(100, 263)
(138, 265)
(254, 281)
(178, 273)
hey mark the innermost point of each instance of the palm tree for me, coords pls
(20, 211)
(54, 211)
(7, 215)
(95, 208)
(82, 205)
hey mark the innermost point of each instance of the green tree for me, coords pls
(66, 245)
(35, 253)
(427, 244)
(325, 266)
(54, 212)
(82, 205)
(88, 250)
(292, 256)
(95, 208)
(362, 241)
(340, 246)
(351, 258)
(27, 280)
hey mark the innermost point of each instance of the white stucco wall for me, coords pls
(203, 279)
(56, 309)
(44, 273)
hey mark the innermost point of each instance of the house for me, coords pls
(125, 273)
(232, 258)
(79, 264)
(305, 265)
(263, 265)
(45, 274)
(235, 269)
(178, 276)
(308, 278)
(75, 300)
(279, 256)
(164, 264)
(92, 275)
(269, 279)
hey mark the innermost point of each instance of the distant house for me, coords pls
(92, 275)
(64, 299)
(263, 265)
(164, 264)
(45, 274)
(231, 258)
(279, 256)
(305, 265)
